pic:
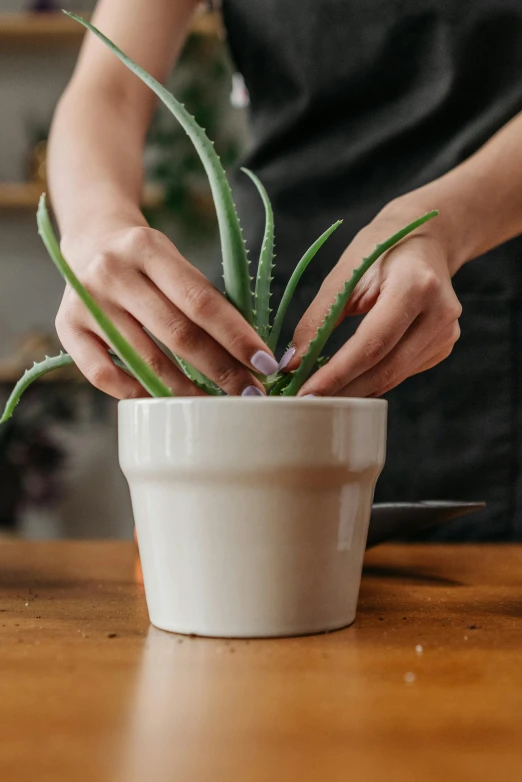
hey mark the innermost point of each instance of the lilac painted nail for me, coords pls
(309, 396)
(264, 363)
(288, 356)
(252, 391)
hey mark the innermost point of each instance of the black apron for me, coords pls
(354, 102)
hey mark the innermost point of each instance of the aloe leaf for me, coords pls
(292, 285)
(116, 360)
(141, 371)
(198, 378)
(266, 264)
(39, 368)
(280, 384)
(235, 262)
(30, 375)
(336, 310)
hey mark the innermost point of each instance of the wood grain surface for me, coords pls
(425, 686)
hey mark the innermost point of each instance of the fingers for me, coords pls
(313, 318)
(88, 346)
(311, 321)
(201, 303)
(412, 319)
(428, 359)
(403, 362)
(149, 351)
(92, 359)
(181, 335)
(191, 318)
(413, 292)
(377, 335)
(436, 359)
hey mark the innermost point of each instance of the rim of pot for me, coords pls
(257, 400)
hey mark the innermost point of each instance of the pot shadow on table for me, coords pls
(405, 574)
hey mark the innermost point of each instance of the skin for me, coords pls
(413, 312)
(142, 281)
(135, 273)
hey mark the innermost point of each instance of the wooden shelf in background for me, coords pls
(56, 28)
(10, 377)
(31, 28)
(19, 195)
(23, 196)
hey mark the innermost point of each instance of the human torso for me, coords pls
(354, 102)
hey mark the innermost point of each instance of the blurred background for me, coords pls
(59, 473)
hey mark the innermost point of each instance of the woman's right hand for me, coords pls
(144, 284)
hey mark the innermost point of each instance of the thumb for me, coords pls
(308, 326)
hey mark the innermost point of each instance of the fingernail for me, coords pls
(288, 356)
(309, 396)
(264, 363)
(252, 391)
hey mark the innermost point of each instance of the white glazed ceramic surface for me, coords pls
(252, 514)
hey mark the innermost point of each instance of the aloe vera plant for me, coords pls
(254, 306)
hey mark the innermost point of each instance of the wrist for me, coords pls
(95, 219)
(447, 230)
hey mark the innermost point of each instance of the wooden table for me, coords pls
(427, 685)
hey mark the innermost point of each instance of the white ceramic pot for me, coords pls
(252, 513)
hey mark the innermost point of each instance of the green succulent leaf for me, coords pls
(38, 369)
(141, 371)
(293, 282)
(322, 361)
(266, 264)
(280, 384)
(336, 310)
(235, 262)
(198, 378)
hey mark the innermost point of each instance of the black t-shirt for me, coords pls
(354, 102)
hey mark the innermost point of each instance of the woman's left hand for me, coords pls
(412, 321)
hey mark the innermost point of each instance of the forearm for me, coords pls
(96, 142)
(95, 167)
(480, 201)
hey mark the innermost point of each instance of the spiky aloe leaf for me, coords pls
(292, 285)
(235, 263)
(141, 371)
(280, 385)
(336, 310)
(116, 360)
(38, 369)
(266, 264)
(198, 378)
